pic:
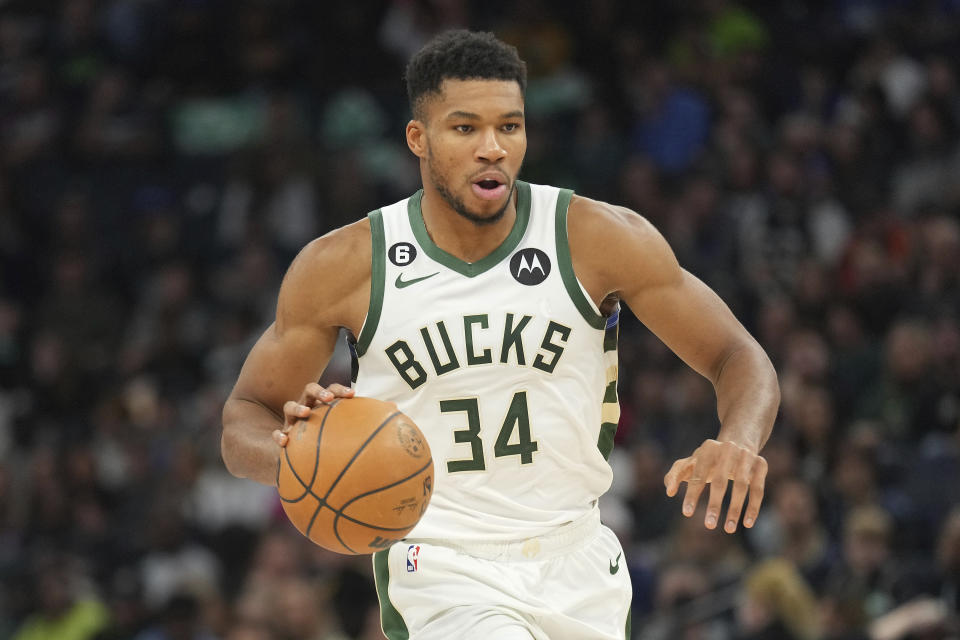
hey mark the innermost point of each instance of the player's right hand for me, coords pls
(313, 395)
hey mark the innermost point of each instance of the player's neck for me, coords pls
(460, 237)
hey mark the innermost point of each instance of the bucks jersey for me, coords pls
(505, 364)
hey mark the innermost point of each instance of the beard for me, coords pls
(458, 205)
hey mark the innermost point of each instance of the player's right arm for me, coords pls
(326, 287)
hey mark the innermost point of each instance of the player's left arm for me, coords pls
(618, 252)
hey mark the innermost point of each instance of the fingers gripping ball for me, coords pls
(355, 476)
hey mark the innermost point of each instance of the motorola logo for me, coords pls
(530, 266)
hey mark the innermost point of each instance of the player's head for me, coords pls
(466, 93)
(460, 55)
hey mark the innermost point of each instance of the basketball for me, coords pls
(355, 476)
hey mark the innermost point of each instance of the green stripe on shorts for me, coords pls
(390, 619)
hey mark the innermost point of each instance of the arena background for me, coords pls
(162, 162)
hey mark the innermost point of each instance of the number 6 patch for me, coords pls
(402, 254)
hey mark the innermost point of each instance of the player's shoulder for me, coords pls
(335, 264)
(326, 283)
(345, 249)
(615, 248)
(606, 222)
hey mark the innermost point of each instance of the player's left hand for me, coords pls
(715, 463)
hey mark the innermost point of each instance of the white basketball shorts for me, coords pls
(570, 584)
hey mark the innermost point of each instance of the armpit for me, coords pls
(609, 304)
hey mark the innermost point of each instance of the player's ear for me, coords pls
(416, 138)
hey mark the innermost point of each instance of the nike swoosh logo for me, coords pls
(401, 283)
(615, 567)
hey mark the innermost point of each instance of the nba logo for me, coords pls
(413, 553)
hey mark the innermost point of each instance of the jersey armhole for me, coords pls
(378, 270)
(574, 288)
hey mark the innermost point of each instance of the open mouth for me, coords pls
(489, 188)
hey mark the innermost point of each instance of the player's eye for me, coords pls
(510, 127)
(463, 128)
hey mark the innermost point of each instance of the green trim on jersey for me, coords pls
(608, 430)
(471, 269)
(629, 625)
(593, 318)
(378, 271)
(390, 619)
(610, 395)
(611, 402)
(610, 339)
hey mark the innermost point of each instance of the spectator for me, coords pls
(948, 563)
(867, 568)
(175, 563)
(776, 604)
(66, 609)
(179, 620)
(793, 531)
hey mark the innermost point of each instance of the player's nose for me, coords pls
(490, 148)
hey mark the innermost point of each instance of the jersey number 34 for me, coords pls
(517, 419)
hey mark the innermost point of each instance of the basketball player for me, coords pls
(486, 308)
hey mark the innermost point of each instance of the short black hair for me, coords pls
(461, 55)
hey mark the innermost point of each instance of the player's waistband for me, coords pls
(555, 543)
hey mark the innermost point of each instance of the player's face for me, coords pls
(473, 144)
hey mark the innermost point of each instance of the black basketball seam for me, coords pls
(377, 490)
(321, 502)
(336, 531)
(296, 475)
(362, 523)
(359, 451)
(354, 520)
(316, 464)
(294, 500)
(309, 493)
(313, 519)
(310, 526)
(316, 467)
(339, 512)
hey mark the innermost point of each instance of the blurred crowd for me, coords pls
(161, 161)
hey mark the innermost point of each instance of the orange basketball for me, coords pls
(355, 476)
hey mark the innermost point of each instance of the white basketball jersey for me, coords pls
(505, 364)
